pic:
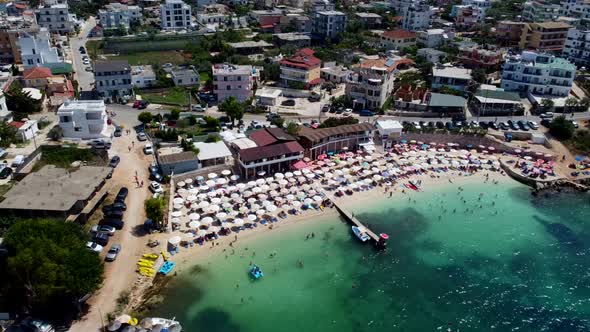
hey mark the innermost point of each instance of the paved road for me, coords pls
(85, 79)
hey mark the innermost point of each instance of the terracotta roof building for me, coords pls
(276, 151)
(397, 39)
(302, 70)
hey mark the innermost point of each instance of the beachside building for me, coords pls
(36, 49)
(452, 77)
(302, 70)
(372, 82)
(576, 9)
(577, 47)
(268, 96)
(275, 151)
(173, 160)
(54, 15)
(397, 39)
(232, 81)
(143, 76)
(538, 74)
(328, 24)
(250, 47)
(175, 15)
(410, 98)
(36, 77)
(388, 132)
(490, 100)
(509, 33)
(476, 57)
(5, 113)
(336, 139)
(113, 79)
(83, 119)
(25, 130)
(185, 76)
(449, 105)
(296, 22)
(10, 30)
(418, 16)
(117, 14)
(296, 39)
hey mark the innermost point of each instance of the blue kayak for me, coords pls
(256, 272)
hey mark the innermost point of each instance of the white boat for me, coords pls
(156, 324)
(361, 233)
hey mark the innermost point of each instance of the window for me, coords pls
(77, 128)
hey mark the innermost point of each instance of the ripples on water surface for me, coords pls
(485, 258)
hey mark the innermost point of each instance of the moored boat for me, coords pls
(361, 233)
(256, 272)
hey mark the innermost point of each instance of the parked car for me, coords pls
(115, 161)
(416, 125)
(109, 230)
(197, 108)
(483, 125)
(101, 238)
(546, 123)
(113, 253)
(347, 111)
(143, 104)
(449, 125)
(148, 149)
(340, 110)
(5, 172)
(122, 194)
(440, 125)
(576, 125)
(141, 136)
(493, 125)
(314, 97)
(88, 69)
(546, 115)
(288, 102)
(513, 125)
(155, 187)
(366, 113)
(100, 143)
(522, 125)
(18, 160)
(533, 125)
(93, 246)
(118, 132)
(326, 108)
(114, 213)
(272, 115)
(117, 223)
(504, 126)
(35, 325)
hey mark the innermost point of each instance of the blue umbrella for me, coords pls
(579, 158)
(404, 141)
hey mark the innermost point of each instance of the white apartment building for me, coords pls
(83, 119)
(143, 76)
(54, 15)
(434, 38)
(116, 14)
(400, 6)
(213, 20)
(175, 15)
(577, 47)
(329, 24)
(36, 49)
(577, 9)
(417, 17)
(540, 11)
(451, 77)
(232, 81)
(372, 81)
(538, 74)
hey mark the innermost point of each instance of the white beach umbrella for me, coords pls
(300, 194)
(231, 188)
(247, 193)
(234, 177)
(285, 207)
(310, 175)
(265, 187)
(234, 196)
(266, 203)
(251, 200)
(204, 188)
(221, 215)
(368, 181)
(194, 224)
(215, 200)
(212, 175)
(175, 240)
(188, 181)
(262, 197)
(213, 208)
(243, 209)
(201, 232)
(269, 179)
(181, 191)
(221, 181)
(261, 173)
(175, 221)
(296, 203)
(213, 229)
(297, 173)
(177, 206)
(225, 172)
(178, 200)
(210, 183)
(212, 194)
(301, 179)
(225, 224)
(317, 198)
(260, 182)
(177, 214)
(271, 208)
(290, 197)
(257, 190)
(241, 186)
(279, 175)
(312, 192)
(254, 207)
(239, 222)
(192, 198)
(251, 184)
(207, 221)
(194, 216)
(203, 204)
(288, 175)
(181, 184)
(260, 212)
(292, 180)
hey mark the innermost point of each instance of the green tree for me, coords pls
(154, 210)
(145, 117)
(584, 104)
(212, 123)
(570, 104)
(21, 102)
(547, 104)
(49, 266)
(233, 109)
(8, 134)
(55, 133)
(562, 128)
(335, 122)
(175, 114)
(279, 122)
(292, 128)
(479, 75)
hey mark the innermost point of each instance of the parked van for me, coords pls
(18, 160)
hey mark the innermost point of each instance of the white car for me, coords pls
(416, 125)
(347, 111)
(156, 188)
(148, 149)
(86, 62)
(94, 247)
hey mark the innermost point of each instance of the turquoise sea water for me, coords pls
(488, 258)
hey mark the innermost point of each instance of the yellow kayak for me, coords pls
(145, 264)
(133, 321)
(146, 261)
(164, 256)
(150, 256)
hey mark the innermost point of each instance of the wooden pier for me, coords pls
(348, 216)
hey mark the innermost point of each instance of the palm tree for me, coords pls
(547, 104)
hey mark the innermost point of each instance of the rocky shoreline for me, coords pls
(560, 185)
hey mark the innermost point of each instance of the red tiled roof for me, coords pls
(389, 65)
(17, 124)
(399, 34)
(263, 138)
(303, 58)
(276, 150)
(37, 72)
